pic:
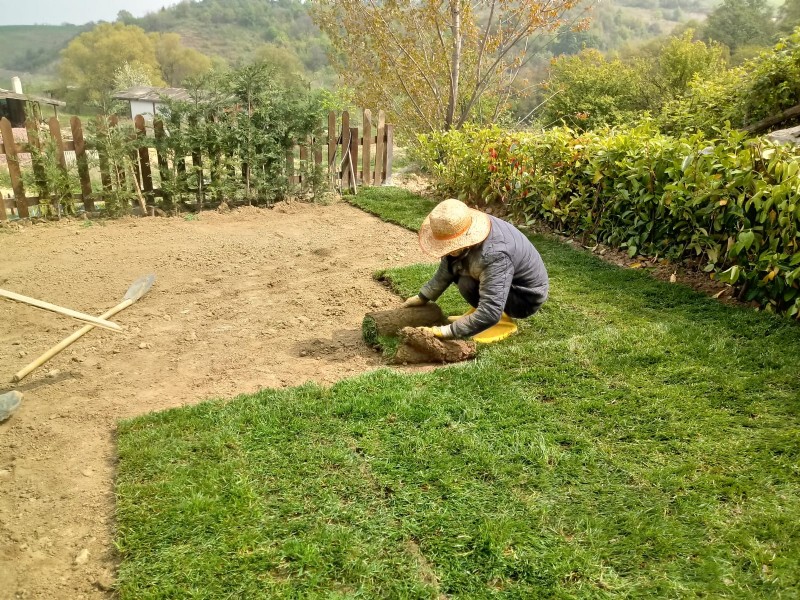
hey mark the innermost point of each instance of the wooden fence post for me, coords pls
(389, 152)
(144, 158)
(105, 168)
(304, 164)
(122, 177)
(35, 145)
(197, 167)
(163, 163)
(366, 177)
(7, 133)
(290, 165)
(380, 147)
(83, 163)
(345, 150)
(317, 145)
(55, 133)
(353, 157)
(332, 169)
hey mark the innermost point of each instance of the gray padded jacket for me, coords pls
(505, 262)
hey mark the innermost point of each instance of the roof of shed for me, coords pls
(8, 95)
(152, 94)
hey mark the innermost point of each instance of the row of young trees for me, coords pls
(227, 142)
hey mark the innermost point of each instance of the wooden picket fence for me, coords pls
(355, 157)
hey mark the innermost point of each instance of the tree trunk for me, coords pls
(455, 62)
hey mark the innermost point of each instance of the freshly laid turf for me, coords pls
(635, 440)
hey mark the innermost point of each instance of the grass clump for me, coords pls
(634, 440)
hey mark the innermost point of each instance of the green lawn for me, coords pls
(635, 440)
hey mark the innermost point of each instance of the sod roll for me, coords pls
(390, 322)
(419, 346)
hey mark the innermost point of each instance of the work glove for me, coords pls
(442, 333)
(415, 301)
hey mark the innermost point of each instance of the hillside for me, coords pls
(235, 31)
(34, 48)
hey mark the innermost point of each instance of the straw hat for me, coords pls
(451, 226)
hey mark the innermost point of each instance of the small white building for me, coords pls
(146, 100)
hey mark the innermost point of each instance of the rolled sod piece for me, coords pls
(418, 346)
(390, 322)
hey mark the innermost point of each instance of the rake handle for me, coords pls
(23, 373)
(100, 322)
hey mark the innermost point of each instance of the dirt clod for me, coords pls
(82, 558)
(417, 345)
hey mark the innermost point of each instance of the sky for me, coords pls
(78, 12)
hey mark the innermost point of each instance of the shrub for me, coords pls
(763, 86)
(731, 203)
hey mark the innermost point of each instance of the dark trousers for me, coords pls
(519, 305)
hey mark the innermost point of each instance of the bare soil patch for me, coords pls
(244, 300)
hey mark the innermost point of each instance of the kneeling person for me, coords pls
(496, 268)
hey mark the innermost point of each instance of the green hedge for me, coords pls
(732, 203)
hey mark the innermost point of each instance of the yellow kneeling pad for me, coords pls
(501, 331)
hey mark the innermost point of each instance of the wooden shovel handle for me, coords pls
(67, 342)
(61, 310)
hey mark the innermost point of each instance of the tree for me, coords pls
(90, 61)
(586, 90)
(435, 65)
(738, 23)
(126, 17)
(177, 62)
(284, 62)
(132, 75)
(680, 59)
(789, 15)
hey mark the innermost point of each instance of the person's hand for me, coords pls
(414, 302)
(437, 332)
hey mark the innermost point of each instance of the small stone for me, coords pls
(22, 354)
(78, 359)
(105, 582)
(53, 374)
(191, 336)
(144, 346)
(115, 351)
(87, 473)
(376, 304)
(303, 353)
(82, 558)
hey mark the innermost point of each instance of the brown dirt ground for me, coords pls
(244, 300)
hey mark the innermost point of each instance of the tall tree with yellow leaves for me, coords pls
(91, 61)
(435, 64)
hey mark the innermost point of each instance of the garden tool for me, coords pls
(138, 289)
(100, 322)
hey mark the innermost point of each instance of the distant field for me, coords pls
(33, 48)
